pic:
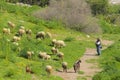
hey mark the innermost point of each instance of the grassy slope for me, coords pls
(12, 62)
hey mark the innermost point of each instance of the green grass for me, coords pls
(13, 62)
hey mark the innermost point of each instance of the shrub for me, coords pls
(99, 6)
(74, 14)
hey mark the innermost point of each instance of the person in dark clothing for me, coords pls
(98, 46)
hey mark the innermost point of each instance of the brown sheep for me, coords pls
(64, 66)
(28, 70)
(76, 66)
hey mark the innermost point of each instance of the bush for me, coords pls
(74, 14)
(99, 6)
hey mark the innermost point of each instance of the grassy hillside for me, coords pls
(13, 58)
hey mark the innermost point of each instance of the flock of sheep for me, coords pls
(56, 45)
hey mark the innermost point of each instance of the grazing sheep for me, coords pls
(28, 31)
(15, 39)
(64, 66)
(6, 30)
(60, 44)
(49, 69)
(47, 57)
(28, 70)
(29, 54)
(42, 54)
(60, 55)
(48, 34)
(21, 32)
(40, 35)
(76, 66)
(12, 25)
(54, 50)
(53, 42)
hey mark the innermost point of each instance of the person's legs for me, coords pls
(98, 51)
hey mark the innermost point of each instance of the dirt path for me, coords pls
(89, 65)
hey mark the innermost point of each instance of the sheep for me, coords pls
(42, 54)
(29, 54)
(40, 35)
(47, 57)
(76, 66)
(54, 50)
(53, 42)
(49, 69)
(64, 66)
(28, 31)
(28, 70)
(21, 32)
(48, 34)
(12, 25)
(6, 30)
(60, 55)
(60, 44)
(15, 39)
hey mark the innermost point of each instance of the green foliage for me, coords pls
(98, 6)
(114, 9)
(108, 27)
(69, 39)
(110, 63)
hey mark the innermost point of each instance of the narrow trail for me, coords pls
(89, 65)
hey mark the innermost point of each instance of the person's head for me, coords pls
(98, 39)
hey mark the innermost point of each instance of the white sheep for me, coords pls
(49, 69)
(15, 39)
(53, 42)
(47, 57)
(29, 54)
(60, 55)
(54, 50)
(48, 35)
(64, 66)
(40, 35)
(42, 54)
(28, 31)
(60, 44)
(21, 31)
(6, 30)
(12, 25)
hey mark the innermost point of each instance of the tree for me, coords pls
(98, 6)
